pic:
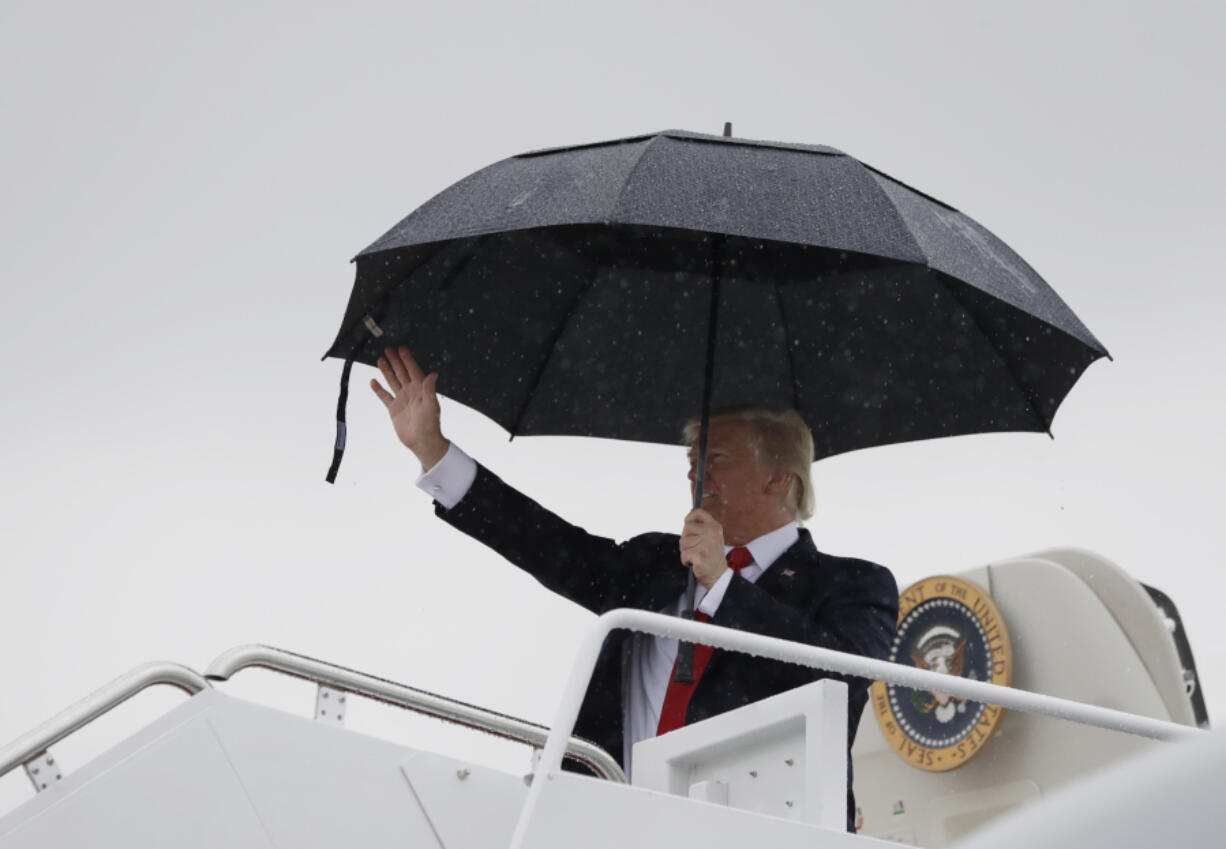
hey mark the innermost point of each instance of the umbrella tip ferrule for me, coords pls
(727, 129)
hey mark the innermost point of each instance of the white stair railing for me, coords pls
(421, 701)
(816, 658)
(30, 749)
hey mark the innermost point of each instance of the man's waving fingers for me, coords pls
(386, 397)
(400, 370)
(427, 386)
(389, 373)
(416, 375)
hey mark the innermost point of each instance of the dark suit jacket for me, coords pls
(806, 596)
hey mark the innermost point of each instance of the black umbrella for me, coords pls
(583, 290)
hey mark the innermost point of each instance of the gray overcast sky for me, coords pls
(183, 184)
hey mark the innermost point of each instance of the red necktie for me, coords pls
(677, 697)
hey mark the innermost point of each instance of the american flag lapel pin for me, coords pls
(787, 573)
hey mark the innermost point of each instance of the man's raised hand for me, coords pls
(412, 405)
(702, 547)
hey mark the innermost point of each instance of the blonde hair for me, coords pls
(783, 441)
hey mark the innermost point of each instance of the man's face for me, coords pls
(736, 480)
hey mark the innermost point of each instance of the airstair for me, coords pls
(217, 770)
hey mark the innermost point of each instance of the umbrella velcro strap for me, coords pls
(342, 401)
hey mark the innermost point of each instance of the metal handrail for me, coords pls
(816, 658)
(421, 701)
(31, 745)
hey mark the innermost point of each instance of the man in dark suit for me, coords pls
(756, 568)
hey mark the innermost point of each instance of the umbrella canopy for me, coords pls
(568, 291)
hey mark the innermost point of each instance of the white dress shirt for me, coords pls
(651, 658)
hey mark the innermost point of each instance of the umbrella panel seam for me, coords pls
(902, 219)
(615, 212)
(908, 187)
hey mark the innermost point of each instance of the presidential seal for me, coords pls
(951, 626)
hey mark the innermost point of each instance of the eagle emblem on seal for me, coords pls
(941, 649)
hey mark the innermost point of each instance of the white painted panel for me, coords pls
(178, 790)
(785, 756)
(221, 772)
(579, 811)
(317, 784)
(1169, 796)
(469, 807)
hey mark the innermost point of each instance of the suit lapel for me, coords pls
(794, 575)
(794, 578)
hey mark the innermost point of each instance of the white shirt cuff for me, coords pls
(450, 478)
(710, 601)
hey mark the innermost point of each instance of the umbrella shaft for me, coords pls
(685, 651)
(708, 377)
